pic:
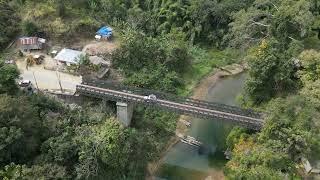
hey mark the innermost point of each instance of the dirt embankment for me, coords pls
(199, 92)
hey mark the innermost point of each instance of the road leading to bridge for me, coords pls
(193, 107)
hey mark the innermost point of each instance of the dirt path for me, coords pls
(199, 92)
(47, 79)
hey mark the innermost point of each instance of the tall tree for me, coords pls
(8, 76)
(152, 62)
(20, 128)
(291, 132)
(285, 21)
(9, 23)
(272, 71)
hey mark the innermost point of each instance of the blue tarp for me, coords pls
(105, 31)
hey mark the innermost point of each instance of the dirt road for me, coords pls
(47, 79)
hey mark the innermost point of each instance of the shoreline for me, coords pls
(200, 91)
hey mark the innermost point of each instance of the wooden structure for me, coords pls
(31, 43)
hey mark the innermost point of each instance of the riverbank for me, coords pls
(200, 91)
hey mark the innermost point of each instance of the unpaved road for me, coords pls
(47, 79)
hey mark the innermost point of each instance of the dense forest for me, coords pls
(166, 45)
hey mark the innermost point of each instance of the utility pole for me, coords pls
(35, 80)
(58, 76)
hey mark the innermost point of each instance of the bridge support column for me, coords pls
(124, 113)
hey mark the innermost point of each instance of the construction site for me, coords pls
(52, 67)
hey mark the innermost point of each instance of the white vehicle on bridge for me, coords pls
(151, 97)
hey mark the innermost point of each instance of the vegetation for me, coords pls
(8, 76)
(61, 142)
(154, 63)
(283, 80)
(9, 22)
(291, 133)
(166, 45)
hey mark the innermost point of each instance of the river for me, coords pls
(184, 162)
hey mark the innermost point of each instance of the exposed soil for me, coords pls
(98, 48)
(47, 79)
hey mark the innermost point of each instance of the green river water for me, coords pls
(183, 162)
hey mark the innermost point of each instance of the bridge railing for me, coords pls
(170, 97)
(183, 109)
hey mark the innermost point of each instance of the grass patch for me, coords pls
(204, 61)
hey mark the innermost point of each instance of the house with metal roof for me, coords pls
(31, 43)
(69, 56)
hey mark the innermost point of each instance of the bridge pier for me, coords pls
(244, 117)
(124, 113)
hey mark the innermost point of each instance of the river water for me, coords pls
(183, 162)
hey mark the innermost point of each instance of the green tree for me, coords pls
(253, 161)
(311, 90)
(292, 126)
(293, 19)
(248, 28)
(310, 62)
(159, 78)
(155, 63)
(285, 21)
(60, 149)
(272, 71)
(43, 172)
(8, 76)
(9, 23)
(234, 137)
(109, 150)
(29, 28)
(20, 129)
(291, 131)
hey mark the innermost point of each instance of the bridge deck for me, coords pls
(174, 98)
(242, 117)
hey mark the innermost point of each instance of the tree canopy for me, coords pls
(154, 63)
(166, 45)
(9, 22)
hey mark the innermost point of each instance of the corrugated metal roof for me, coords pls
(69, 56)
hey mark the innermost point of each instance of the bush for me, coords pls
(29, 28)
(8, 23)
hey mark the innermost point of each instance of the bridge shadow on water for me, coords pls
(191, 163)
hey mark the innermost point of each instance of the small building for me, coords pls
(54, 53)
(31, 43)
(104, 72)
(96, 60)
(104, 33)
(69, 56)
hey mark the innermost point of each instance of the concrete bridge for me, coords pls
(126, 97)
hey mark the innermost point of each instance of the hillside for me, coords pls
(168, 46)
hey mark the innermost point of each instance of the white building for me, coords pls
(69, 56)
